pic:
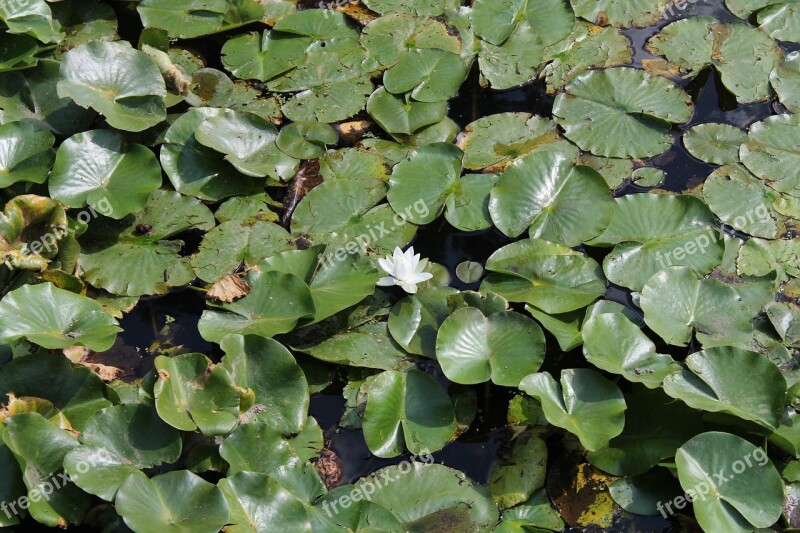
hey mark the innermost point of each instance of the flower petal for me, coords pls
(420, 277)
(410, 288)
(387, 265)
(387, 281)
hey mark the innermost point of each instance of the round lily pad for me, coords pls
(621, 112)
(26, 153)
(101, 169)
(306, 140)
(715, 143)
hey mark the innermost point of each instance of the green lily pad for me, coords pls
(101, 169)
(40, 447)
(759, 257)
(55, 318)
(743, 55)
(76, 391)
(258, 502)
(32, 96)
(399, 115)
(306, 140)
(585, 404)
(516, 61)
(31, 17)
(194, 18)
(117, 81)
(613, 343)
(195, 169)
(546, 275)
(26, 153)
(270, 371)
(133, 256)
(176, 502)
(715, 143)
(248, 142)
(652, 232)
(430, 8)
(387, 39)
(620, 13)
(274, 305)
(638, 107)
(771, 152)
(676, 304)
(430, 187)
(742, 201)
(780, 19)
(785, 79)
(368, 346)
(226, 246)
(118, 441)
(18, 52)
(587, 47)
(427, 75)
(647, 440)
(535, 512)
(407, 410)
(415, 320)
(504, 347)
(557, 200)
(731, 380)
(520, 471)
(496, 141)
(191, 393)
(751, 495)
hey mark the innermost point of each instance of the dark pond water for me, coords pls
(475, 451)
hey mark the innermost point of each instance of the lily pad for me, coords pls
(274, 305)
(751, 494)
(387, 39)
(516, 61)
(407, 410)
(195, 169)
(192, 393)
(778, 18)
(306, 140)
(557, 200)
(742, 201)
(248, 142)
(647, 440)
(504, 347)
(427, 75)
(399, 115)
(268, 369)
(620, 13)
(176, 502)
(739, 382)
(101, 169)
(715, 143)
(368, 346)
(615, 344)
(652, 232)
(771, 152)
(26, 153)
(743, 55)
(133, 256)
(520, 471)
(638, 107)
(116, 80)
(677, 304)
(55, 318)
(31, 17)
(496, 141)
(117, 442)
(785, 79)
(585, 404)
(546, 275)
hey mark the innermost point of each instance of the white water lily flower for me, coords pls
(404, 269)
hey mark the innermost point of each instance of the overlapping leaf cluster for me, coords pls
(272, 170)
